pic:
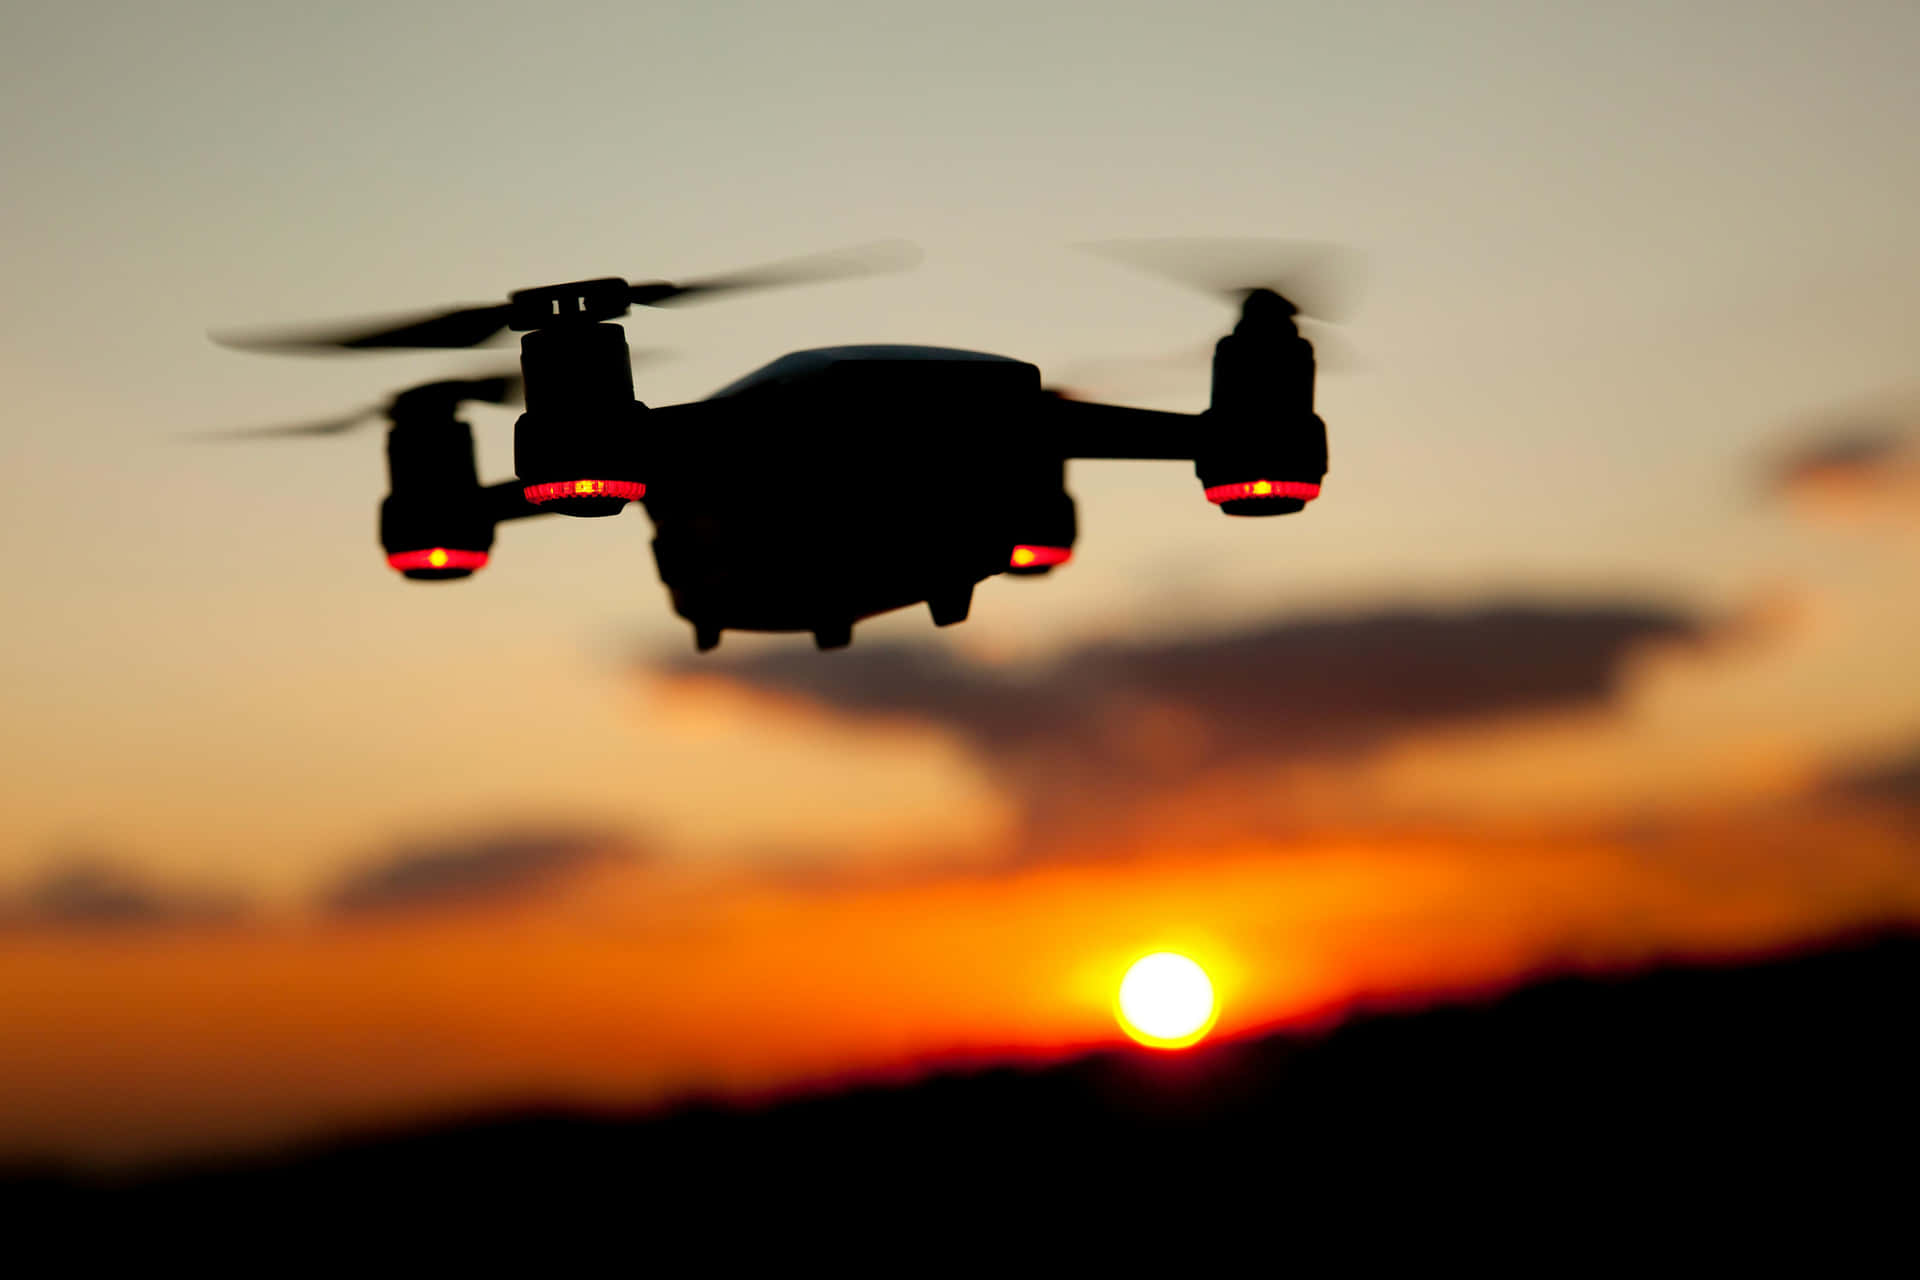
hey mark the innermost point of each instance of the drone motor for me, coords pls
(1044, 522)
(1269, 453)
(579, 447)
(433, 524)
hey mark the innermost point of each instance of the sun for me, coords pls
(1166, 1001)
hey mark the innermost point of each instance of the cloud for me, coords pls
(1861, 450)
(1107, 725)
(1862, 469)
(1893, 781)
(89, 892)
(483, 867)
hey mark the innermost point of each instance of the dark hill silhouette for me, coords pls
(1682, 1077)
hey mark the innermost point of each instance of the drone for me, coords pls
(831, 485)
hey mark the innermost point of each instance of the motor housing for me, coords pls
(1045, 524)
(1267, 450)
(578, 449)
(433, 524)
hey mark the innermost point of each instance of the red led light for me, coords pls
(437, 558)
(1301, 489)
(1026, 557)
(630, 490)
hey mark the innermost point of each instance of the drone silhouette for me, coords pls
(833, 484)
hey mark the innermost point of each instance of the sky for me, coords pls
(1603, 565)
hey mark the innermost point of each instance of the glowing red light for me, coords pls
(631, 490)
(1026, 557)
(1301, 489)
(437, 558)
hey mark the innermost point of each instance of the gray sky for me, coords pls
(1616, 252)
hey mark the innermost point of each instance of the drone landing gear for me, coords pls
(949, 607)
(837, 635)
(706, 639)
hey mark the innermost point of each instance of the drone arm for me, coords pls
(1084, 429)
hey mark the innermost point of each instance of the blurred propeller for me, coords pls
(325, 427)
(1318, 281)
(444, 397)
(461, 327)
(1177, 372)
(877, 258)
(475, 324)
(1321, 280)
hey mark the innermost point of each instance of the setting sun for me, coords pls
(1166, 1001)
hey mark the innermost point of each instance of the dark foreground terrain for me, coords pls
(1799, 1071)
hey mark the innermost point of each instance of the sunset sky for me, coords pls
(1598, 648)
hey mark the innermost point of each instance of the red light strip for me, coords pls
(1301, 489)
(1025, 557)
(631, 490)
(437, 558)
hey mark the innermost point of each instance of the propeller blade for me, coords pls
(838, 264)
(324, 427)
(502, 389)
(460, 327)
(502, 386)
(1321, 280)
(496, 386)
(1188, 368)
(471, 326)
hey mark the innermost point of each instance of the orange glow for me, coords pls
(635, 985)
(437, 558)
(1166, 1001)
(1301, 489)
(631, 490)
(1027, 557)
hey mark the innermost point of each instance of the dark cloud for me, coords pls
(1893, 781)
(91, 893)
(1108, 720)
(498, 865)
(1856, 463)
(1859, 448)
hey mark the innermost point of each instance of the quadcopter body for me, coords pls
(830, 485)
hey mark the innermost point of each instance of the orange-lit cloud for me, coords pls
(1865, 473)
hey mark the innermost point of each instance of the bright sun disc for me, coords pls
(1166, 1001)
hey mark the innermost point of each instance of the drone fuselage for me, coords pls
(836, 484)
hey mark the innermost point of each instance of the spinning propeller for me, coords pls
(470, 326)
(432, 399)
(1313, 284)
(1315, 281)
